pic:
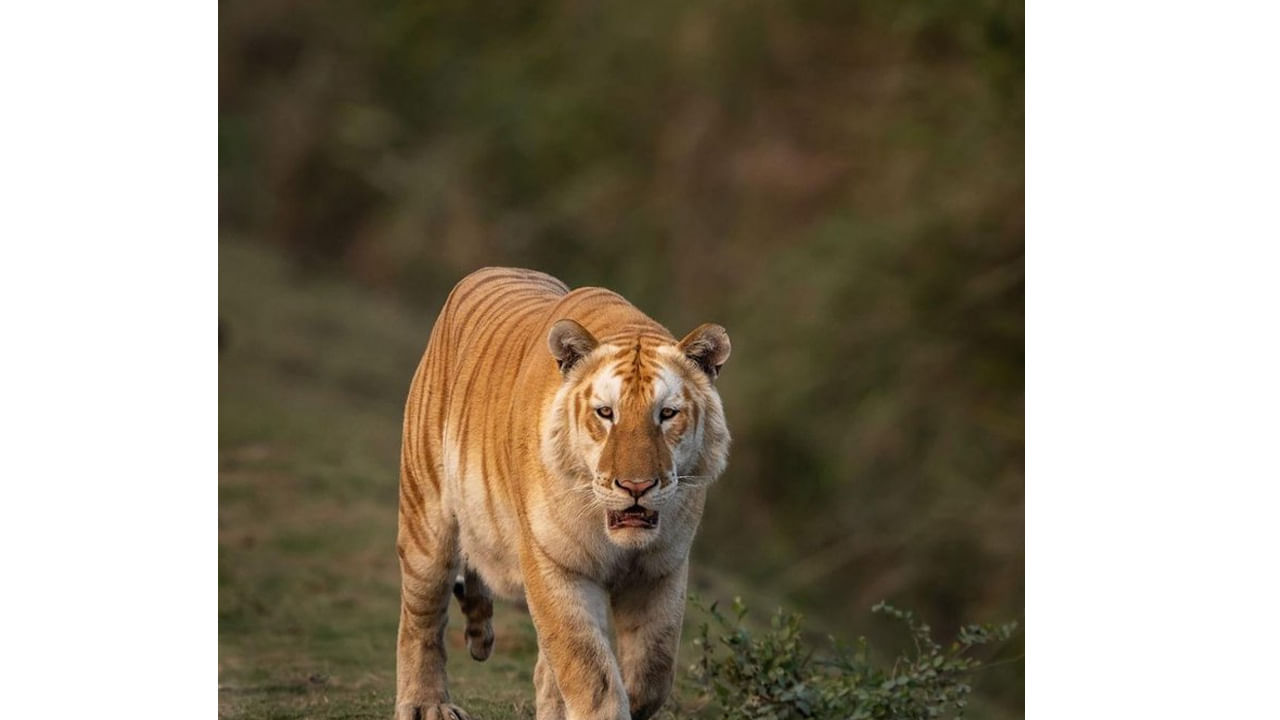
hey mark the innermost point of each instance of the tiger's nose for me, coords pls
(636, 487)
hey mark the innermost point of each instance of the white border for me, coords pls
(1153, 351)
(108, 284)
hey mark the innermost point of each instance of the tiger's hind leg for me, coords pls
(428, 547)
(477, 605)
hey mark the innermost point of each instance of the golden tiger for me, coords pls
(557, 445)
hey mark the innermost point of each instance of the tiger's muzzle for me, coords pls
(643, 494)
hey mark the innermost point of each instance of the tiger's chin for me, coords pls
(632, 527)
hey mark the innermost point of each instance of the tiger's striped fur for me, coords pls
(536, 418)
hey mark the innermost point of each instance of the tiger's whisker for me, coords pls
(570, 491)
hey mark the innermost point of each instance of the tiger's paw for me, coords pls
(480, 639)
(441, 711)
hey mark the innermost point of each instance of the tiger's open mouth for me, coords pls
(634, 516)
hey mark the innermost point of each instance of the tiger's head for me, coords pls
(635, 420)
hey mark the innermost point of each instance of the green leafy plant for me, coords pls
(777, 675)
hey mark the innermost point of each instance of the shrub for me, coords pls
(777, 675)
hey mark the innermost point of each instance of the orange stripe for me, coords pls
(407, 568)
(484, 482)
(407, 499)
(416, 612)
(490, 302)
(465, 391)
(415, 534)
(477, 284)
(567, 309)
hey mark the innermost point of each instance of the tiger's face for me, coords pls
(635, 421)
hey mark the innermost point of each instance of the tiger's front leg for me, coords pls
(570, 614)
(428, 547)
(549, 701)
(648, 616)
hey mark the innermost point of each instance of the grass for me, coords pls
(312, 375)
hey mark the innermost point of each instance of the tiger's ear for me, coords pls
(569, 342)
(708, 346)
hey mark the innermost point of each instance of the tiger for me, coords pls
(557, 448)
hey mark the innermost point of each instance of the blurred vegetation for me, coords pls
(839, 184)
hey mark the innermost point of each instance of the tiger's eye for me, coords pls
(668, 413)
(605, 412)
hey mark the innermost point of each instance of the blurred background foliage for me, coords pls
(838, 183)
